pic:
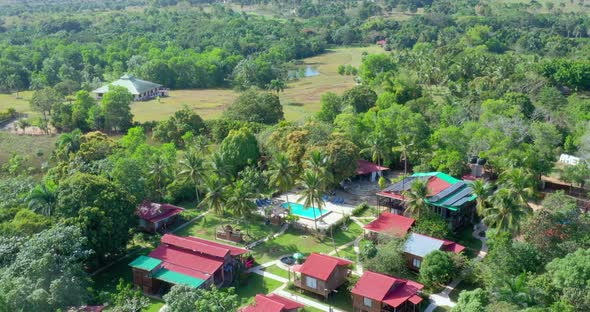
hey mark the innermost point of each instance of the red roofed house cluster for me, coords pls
(187, 260)
(321, 274)
(272, 303)
(380, 292)
(154, 217)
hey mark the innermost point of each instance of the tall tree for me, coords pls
(505, 211)
(482, 190)
(192, 167)
(416, 198)
(241, 198)
(312, 192)
(117, 110)
(281, 174)
(44, 100)
(43, 198)
(215, 194)
(520, 183)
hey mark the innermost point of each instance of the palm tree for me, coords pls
(416, 198)
(277, 85)
(376, 148)
(241, 198)
(280, 174)
(505, 211)
(158, 172)
(482, 190)
(68, 143)
(215, 197)
(403, 148)
(192, 167)
(319, 163)
(313, 188)
(43, 198)
(218, 164)
(520, 182)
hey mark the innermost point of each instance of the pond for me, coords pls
(303, 71)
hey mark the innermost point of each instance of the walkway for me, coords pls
(442, 298)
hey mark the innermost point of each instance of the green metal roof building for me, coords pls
(141, 89)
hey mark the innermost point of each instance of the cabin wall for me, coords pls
(358, 305)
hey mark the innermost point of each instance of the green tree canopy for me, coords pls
(253, 106)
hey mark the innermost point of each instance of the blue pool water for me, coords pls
(300, 210)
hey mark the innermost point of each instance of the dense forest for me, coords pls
(507, 82)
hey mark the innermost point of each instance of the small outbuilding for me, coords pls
(142, 90)
(272, 303)
(155, 217)
(322, 274)
(417, 246)
(379, 292)
(365, 168)
(389, 224)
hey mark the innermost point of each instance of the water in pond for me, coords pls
(303, 71)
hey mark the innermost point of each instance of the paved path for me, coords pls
(442, 298)
(260, 241)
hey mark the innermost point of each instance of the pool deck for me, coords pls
(337, 211)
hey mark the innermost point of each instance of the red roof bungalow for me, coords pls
(272, 303)
(364, 167)
(417, 246)
(154, 217)
(389, 224)
(187, 260)
(379, 292)
(321, 274)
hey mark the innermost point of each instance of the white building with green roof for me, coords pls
(142, 90)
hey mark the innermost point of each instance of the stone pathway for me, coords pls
(442, 298)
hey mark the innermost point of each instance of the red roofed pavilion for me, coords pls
(389, 224)
(380, 292)
(189, 261)
(154, 217)
(322, 274)
(272, 303)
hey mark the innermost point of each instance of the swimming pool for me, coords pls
(300, 210)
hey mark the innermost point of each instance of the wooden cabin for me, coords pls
(155, 217)
(375, 292)
(417, 246)
(322, 274)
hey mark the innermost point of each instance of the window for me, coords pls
(367, 302)
(311, 282)
(416, 262)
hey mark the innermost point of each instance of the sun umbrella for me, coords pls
(298, 256)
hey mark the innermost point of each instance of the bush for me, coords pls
(438, 267)
(360, 209)
(432, 225)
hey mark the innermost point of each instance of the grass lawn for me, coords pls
(155, 305)
(300, 99)
(253, 229)
(21, 104)
(465, 238)
(28, 146)
(276, 270)
(255, 284)
(296, 241)
(341, 299)
(454, 295)
(349, 254)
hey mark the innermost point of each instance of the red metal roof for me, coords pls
(447, 245)
(321, 266)
(384, 288)
(415, 299)
(391, 224)
(153, 212)
(436, 185)
(366, 167)
(204, 247)
(272, 303)
(185, 258)
(234, 251)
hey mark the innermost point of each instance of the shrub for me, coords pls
(360, 209)
(438, 267)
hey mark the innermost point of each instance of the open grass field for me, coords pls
(255, 284)
(300, 99)
(558, 5)
(37, 149)
(21, 104)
